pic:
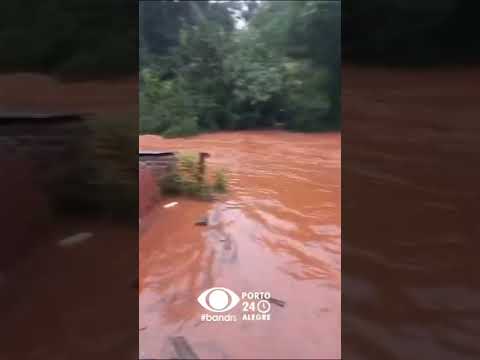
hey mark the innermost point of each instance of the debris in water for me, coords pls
(232, 205)
(198, 323)
(231, 208)
(228, 249)
(169, 205)
(202, 222)
(228, 243)
(183, 348)
(280, 303)
(74, 239)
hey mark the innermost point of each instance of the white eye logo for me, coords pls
(218, 299)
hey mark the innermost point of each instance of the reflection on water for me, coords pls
(281, 223)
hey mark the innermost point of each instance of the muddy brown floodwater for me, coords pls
(281, 218)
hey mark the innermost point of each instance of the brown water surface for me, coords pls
(61, 302)
(410, 212)
(282, 218)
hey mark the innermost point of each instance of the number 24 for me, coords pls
(248, 306)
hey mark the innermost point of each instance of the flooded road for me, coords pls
(281, 220)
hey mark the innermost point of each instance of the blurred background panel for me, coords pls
(410, 181)
(69, 179)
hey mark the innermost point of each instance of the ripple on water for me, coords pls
(277, 230)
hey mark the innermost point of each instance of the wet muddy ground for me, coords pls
(277, 230)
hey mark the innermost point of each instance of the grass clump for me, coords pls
(188, 179)
(220, 182)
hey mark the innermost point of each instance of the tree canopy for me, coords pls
(412, 33)
(200, 72)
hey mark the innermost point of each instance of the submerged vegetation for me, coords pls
(201, 71)
(220, 183)
(188, 179)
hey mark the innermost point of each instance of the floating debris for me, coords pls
(228, 243)
(202, 222)
(74, 239)
(277, 302)
(183, 348)
(231, 205)
(228, 249)
(169, 205)
(232, 208)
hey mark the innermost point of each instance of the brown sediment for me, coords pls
(276, 230)
(410, 184)
(40, 92)
(148, 193)
(66, 303)
(25, 206)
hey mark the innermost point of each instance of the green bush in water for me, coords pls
(188, 180)
(220, 183)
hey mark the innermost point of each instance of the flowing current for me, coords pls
(277, 230)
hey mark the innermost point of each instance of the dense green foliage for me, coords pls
(81, 37)
(188, 179)
(199, 73)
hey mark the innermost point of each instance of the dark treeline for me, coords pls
(74, 37)
(411, 33)
(100, 37)
(200, 72)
